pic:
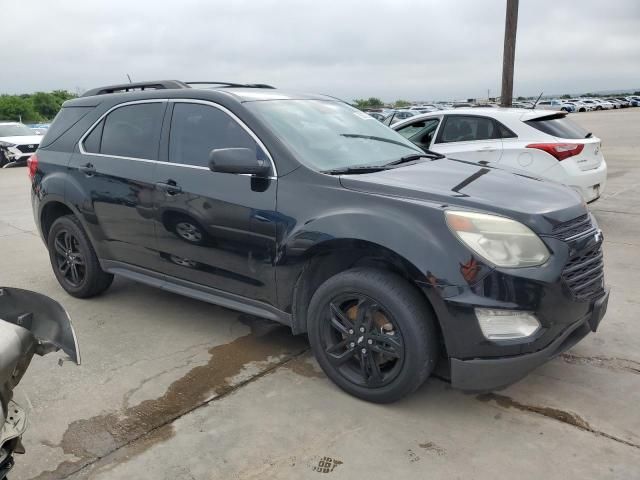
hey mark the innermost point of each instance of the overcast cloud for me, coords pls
(393, 49)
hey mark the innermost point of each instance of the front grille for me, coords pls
(573, 228)
(584, 274)
(27, 148)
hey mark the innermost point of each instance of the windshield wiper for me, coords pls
(358, 169)
(373, 137)
(588, 135)
(416, 156)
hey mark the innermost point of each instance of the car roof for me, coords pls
(522, 114)
(175, 90)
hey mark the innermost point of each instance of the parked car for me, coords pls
(30, 324)
(17, 143)
(306, 211)
(580, 106)
(624, 103)
(604, 103)
(39, 128)
(557, 105)
(634, 101)
(593, 104)
(544, 144)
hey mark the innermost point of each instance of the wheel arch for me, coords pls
(337, 255)
(50, 212)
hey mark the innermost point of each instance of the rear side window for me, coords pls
(465, 128)
(132, 131)
(505, 132)
(558, 126)
(92, 142)
(65, 119)
(197, 129)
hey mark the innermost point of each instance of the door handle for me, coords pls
(169, 187)
(88, 169)
(487, 149)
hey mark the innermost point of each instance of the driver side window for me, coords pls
(197, 129)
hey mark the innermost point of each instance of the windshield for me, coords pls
(15, 130)
(328, 135)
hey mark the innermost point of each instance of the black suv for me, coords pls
(306, 211)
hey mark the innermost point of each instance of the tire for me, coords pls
(399, 337)
(71, 251)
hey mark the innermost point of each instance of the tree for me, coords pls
(371, 102)
(45, 104)
(13, 107)
(33, 107)
(519, 99)
(401, 104)
(566, 95)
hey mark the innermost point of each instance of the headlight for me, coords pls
(7, 144)
(499, 240)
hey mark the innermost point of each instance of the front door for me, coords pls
(214, 229)
(114, 187)
(469, 137)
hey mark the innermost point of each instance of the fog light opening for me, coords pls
(506, 324)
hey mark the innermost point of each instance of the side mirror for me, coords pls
(238, 161)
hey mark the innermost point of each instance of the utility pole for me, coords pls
(509, 54)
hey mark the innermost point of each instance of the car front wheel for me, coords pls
(373, 334)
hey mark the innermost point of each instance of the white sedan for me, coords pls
(539, 142)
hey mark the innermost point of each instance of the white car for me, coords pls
(580, 105)
(606, 105)
(17, 143)
(557, 105)
(539, 142)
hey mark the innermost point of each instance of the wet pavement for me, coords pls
(172, 388)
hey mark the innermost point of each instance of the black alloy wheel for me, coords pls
(361, 340)
(70, 260)
(373, 333)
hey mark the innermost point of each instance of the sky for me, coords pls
(392, 49)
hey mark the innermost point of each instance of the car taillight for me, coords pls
(32, 166)
(560, 151)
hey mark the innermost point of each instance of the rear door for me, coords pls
(214, 229)
(474, 138)
(114, 172)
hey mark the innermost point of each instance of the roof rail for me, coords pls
(127, 87)
(230, 84)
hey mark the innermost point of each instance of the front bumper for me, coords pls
(486, 374)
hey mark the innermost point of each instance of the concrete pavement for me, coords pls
(172, 388)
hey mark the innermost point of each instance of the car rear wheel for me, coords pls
(74, 261)
(373, 334)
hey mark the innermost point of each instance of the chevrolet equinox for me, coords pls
(304, 210)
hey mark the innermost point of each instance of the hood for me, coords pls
(538, 203)
(23, 139)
